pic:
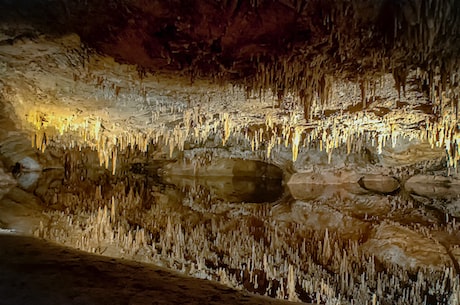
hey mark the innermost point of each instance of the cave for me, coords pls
(229, 152)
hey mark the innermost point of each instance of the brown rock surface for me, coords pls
(433, 186)
(320, 218)
(405, 247)
(223, 168)
(6, 182)
(330, 177)
(379, 183)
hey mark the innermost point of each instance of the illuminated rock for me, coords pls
(320, 218)
(406, 248)
(29, 165)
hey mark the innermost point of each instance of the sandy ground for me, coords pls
(35, 271)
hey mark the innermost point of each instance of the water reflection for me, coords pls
(233, 189)
(289, 247)
(349, 198)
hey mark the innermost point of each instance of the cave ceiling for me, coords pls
(236, 40)
(315, 72)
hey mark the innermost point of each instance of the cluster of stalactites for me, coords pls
(363, 40)
(352, 131)
(312, 87)
(73, 132)
(427, 29)
(307, 81)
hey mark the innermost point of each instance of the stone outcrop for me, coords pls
(405, 247)
(433, 186)
(314, 183)
(379, 183)
(223, 168)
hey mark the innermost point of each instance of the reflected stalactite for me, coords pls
(266, 248)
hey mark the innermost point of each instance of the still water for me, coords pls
(326, 244)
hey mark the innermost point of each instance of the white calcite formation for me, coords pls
(68, 96)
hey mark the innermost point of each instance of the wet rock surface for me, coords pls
(432, 186)
(223, 168)
(406, 248)
(326, 178)
(379, 183)
(316, 191)
(302, 184)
